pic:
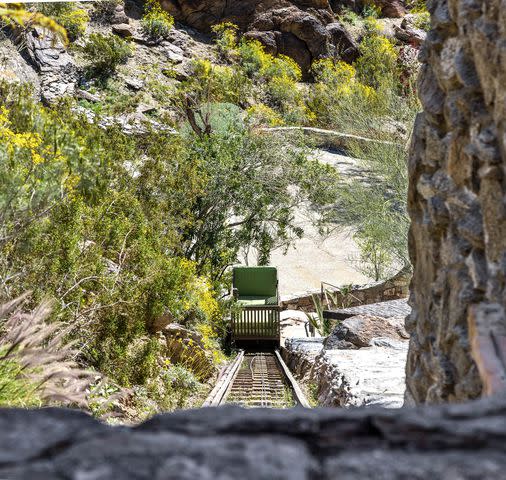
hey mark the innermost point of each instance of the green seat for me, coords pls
(257, 301)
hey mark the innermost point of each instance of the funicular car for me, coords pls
(256, 292)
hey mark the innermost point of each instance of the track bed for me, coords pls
(259, 379)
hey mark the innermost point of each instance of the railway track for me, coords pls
(257, 380)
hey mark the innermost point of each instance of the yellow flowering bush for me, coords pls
(261, 114)
(226, 39)
(156, 22)
(378, 61)
(19, 143)
(337, 87)
(217, 83)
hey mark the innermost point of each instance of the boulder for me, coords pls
(123, 30)
(119, 16)
(345, 47)
(408, 33)
(162, 322)
(186, 347)
(392, 8)
(359, 331)
(297, 28)
(134, 83)
(352, 376)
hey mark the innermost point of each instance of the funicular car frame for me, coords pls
(256, 292)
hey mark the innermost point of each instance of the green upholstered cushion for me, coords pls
(256, 281)
(252, 301)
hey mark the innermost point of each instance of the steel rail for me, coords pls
(300, 398)
(224, 383)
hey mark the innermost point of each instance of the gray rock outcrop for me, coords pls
(456, 202)
(347, 376)
(57, 69)
(462, 441)
(359, 331)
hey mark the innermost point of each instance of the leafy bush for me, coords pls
(73, 19)
(226, 39)
(264, 78)
(422, 21)
(371, 10)
(106, 52)
(75, 227)
(215, 84)
(349, 17)
(377, 63)
(338, 95)
(417, 6)
(233, 166)
(156, 23)
(261, 114)
(375, 205)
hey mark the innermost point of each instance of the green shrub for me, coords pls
(216, 84)
(82, 231)
(106, 52)
(417, 6)
(422, 21)
(349, 17)
(226, 39)
(338, 99)
(156, 23)
(278, 76)
(73, 19)
(371, 10)
(377, 63)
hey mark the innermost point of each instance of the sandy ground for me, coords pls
(316, 258)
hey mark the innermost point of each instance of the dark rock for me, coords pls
(406, 33)
(295, 28)
(346, 47)
(392, 8)
(260, 444)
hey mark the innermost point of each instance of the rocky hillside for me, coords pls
(303, 30)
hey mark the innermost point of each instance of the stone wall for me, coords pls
(391, 289)
(462, 441)
(457, 206)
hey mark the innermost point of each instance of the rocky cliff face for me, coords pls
(302, 29)
(457, 206)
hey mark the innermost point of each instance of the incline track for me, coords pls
(257, 380)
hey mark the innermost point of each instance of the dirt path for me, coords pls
(316, 258)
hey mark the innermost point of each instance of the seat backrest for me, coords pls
(256, 281)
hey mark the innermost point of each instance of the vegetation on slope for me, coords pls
(120, 230)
